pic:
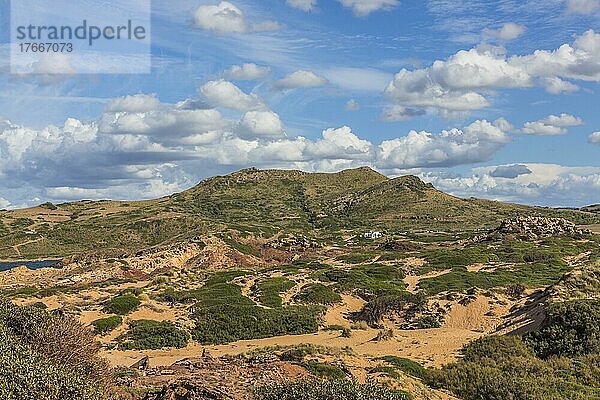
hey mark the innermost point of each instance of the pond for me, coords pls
(36, 264)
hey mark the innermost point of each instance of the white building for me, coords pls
(373, 235)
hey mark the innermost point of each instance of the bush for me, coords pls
(104, 325)
(123, 304)
(323, 370)
(377, 308)
(224, 324)
(405, 365)
(502, 367)
(570, 329)
(330, 390)
(152, 335)
(270, 290)
(222, 314)
(317, 293)
(50, 357)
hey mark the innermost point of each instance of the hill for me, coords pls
(258, 203)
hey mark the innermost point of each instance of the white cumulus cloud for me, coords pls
(223, 93)
(301, 79)
(552, 125)
(365, 7)
(594, 138)
(467, 80)
(246, 72)
(508, 31)
(226, 18)
(260, 124)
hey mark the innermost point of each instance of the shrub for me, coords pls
(317, 293)
(123, 304)
(330, 390)
(502, 367)
(570, 329)
(51, 357)
(152, 335)
(323, 370)
(222, 314)
(428, 322)
(405, 365)
(224, 324)
(104, 325)
(270, 290)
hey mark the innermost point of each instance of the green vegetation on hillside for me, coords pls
(262, 203)
(222, 314)
(123, 304)
(151, 335)
(270, 290)
(317, 293)
(570, 329)
(103, 326)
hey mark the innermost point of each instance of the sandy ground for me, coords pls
(412, 281)
(431, 347)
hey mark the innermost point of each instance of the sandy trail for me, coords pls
(412, 281)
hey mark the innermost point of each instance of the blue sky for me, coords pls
(488, 99)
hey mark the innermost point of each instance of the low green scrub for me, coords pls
(222, 314)
(405, 365)
(103, 326)
(317, 293)
(270, 290)
(152, 335)
(503, 367)
(366, 281)
(330, 390)
(228, 323)
(570, 329)
(388, 302)
(242, 248)
(122, 305)
(322, 370)
(385, 370)
(531, 275)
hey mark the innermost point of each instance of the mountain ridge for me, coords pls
(261, 203)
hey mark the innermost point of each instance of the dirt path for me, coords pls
(412, 281)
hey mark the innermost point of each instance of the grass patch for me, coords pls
(103, 326)
(270, 290)
(317, 293)
(222, 314)
(122, 305)
(323, 370)
(152, 335)
(405, 365)
(330, 390)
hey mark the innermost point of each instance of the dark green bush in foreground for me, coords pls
(570, 329)
(48, 357)
(104, 325)
(123, 304)
(328, 390)
(503, 367)
(147, 334)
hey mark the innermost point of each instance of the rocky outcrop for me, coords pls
(534, 227)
